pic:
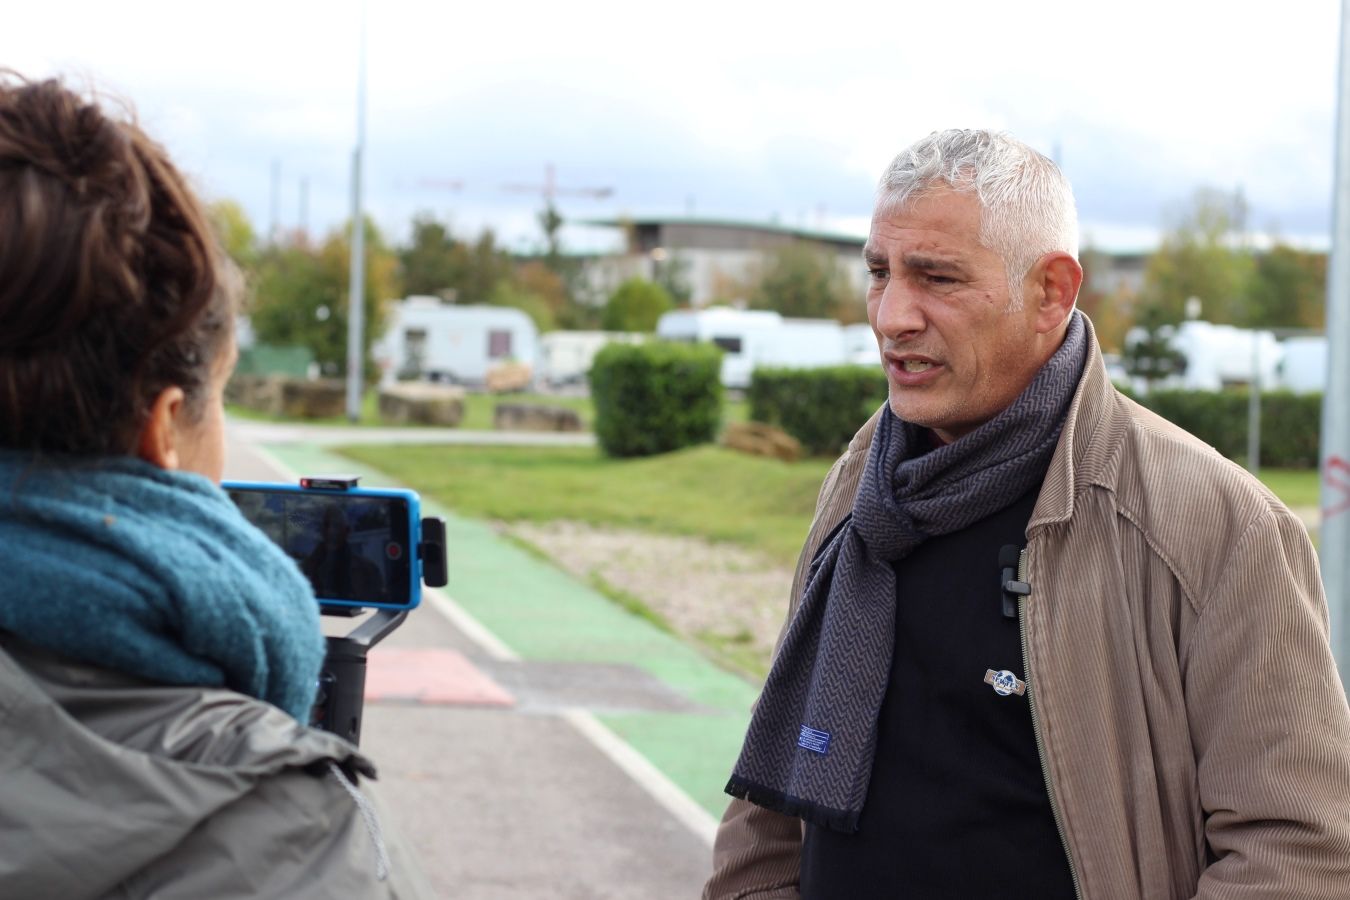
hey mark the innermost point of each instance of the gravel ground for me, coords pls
(720, 594)
(717, 594)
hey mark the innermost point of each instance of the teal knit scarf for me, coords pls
(118, 563)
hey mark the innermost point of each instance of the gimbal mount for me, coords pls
(342, 681)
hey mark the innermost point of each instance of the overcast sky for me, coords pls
(747, 111)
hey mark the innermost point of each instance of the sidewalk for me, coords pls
(568, 748)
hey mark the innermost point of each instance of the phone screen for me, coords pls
(354, 549)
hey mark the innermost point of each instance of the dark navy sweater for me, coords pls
(957, 805)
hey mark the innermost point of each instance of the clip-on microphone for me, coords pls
(1010, 588)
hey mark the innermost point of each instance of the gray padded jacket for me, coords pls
(112, 787)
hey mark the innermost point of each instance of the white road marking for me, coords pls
(648, 777)
(667, 793)
(471, 627)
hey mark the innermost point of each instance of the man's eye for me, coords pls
(878, 274)
(939, 279)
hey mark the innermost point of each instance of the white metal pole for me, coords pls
(1335, 531)
(356, 290)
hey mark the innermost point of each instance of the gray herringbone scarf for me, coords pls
(808, 751)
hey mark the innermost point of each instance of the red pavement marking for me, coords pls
(432, 676)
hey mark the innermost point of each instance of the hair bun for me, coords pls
(108, 272)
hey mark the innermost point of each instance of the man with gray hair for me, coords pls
(1041, 643)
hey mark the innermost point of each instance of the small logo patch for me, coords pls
(813, 740)
(1005, 682)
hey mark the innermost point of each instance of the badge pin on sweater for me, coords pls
(1005, 683)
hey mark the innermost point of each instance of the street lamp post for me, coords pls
(356, 289)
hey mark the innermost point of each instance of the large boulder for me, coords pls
(532, 417)
(283, 395)
(420, 403)
(759, 439)
(323, 398)
(257, 392)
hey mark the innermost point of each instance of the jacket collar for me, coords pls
(1087, 442)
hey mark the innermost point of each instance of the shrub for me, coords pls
(822, 408)
(655, 397)
(1291, 430)
(1218, 418)
(1290, 423)
(636, 305)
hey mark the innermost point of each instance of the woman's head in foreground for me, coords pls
(116, 304)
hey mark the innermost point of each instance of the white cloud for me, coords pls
(751, 108)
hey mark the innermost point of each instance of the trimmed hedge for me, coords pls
(655, 397)
(1291, 424)
(823, 408)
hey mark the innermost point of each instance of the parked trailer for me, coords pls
(752, 338)
(860, 345)
(1218, 356)
(1303, 368)
(427, 338)
(565, 357)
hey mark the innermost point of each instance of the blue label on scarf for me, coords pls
(813, 740)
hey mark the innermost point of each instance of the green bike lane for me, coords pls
(543, 614)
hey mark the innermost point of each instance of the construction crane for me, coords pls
(440, 184)
(549, 218)
(549, 189)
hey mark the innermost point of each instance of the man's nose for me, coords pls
(899, 312)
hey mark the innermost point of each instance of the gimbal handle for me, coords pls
(342, 682)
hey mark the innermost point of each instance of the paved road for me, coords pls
(533, 740)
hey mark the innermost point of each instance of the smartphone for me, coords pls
(358, 547)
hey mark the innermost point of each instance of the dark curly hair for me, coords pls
(112, 283)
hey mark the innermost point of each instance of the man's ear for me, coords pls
(158, 442)
(1058, 276)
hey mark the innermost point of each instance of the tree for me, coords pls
(302, 296)
(432, 263)
(1149, 353)
(1197, 258)
(636, 305)
(1288, 289)
(1109, 311)
(546, 285)
(672, 273)
(235, 232)
(804, 282)
(509, 293)
(482, 265)
(551, 221)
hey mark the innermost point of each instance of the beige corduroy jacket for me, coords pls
(1193, 728)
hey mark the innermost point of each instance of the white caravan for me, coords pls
(429, 339)
(1303, 368)
(565, 357)
(860, 345)
(751, 337)
(1218, 356)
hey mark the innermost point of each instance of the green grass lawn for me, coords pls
(1296, 487)
(705, 491)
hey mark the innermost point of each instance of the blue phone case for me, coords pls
(410, 498)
